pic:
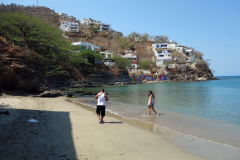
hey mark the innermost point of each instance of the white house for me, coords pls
(128, 51)
(67, 26)
(106, 54)
(90, 22)
(188, 52)
(107, 58)
(86, 46)
(162, 53)
(65, 16)
(131, 56)
(155, 38)
(62, 14)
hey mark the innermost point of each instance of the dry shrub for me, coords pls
(202, 62)
(198, 55)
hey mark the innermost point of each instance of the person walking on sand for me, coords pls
(151, 102)
(102, 98)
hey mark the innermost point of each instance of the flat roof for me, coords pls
(84, 44)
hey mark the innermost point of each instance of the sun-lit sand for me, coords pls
(68, 131)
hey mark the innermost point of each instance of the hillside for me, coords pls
(31, 63)
(44, 13)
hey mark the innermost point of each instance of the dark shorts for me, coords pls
(100, 110)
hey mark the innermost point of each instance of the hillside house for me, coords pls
(67, 26)
(128, 51)
(162, 52)
(155, 38)
(86, 46)
(65, 16)
(133, 57)
(90, 22)
(107, 58)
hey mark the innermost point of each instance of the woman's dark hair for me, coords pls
(102, 90)
(151, 94)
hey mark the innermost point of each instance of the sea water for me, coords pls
(208, 110)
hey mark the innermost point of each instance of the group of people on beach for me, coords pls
(101, 104)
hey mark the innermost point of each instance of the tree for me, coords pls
(145, 37)
(123, 42)
(122, 63)
(33, 32)
(132, 36)
(198, 55)
(76, 48)
(94, 29)
(85, 59)
(144, 63)
(162, 39)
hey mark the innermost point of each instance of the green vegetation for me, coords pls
(123, 42)
(122, 63)
(56, 72)
(85, 59)
(144, 64)
(58, 56)
(94, 29)
(52, 50)
(132, 36)
(32, 33)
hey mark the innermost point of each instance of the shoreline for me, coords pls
(202, 146)
(69, 130)
(66, 130)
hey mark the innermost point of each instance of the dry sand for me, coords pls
(69, 131)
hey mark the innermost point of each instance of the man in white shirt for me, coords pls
(102, 98)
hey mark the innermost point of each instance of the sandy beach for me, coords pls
(68, 131)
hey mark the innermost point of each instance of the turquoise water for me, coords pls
(208, 110)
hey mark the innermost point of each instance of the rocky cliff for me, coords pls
(190, 72)
(19, 71)
(24, 71)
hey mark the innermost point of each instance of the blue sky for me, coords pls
(209, 26)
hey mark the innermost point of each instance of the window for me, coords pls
(169, 55)
(75, 25)
(164, 45)
(157, 46)
(65, 25)
(161, 55)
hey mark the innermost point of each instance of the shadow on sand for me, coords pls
(50, 138)
(113, 122)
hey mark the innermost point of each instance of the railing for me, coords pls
(109, 63)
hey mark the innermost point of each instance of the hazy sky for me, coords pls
(209, 26)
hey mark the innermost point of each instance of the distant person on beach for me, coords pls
(151, 102)
(50, 88)
(102, 98)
